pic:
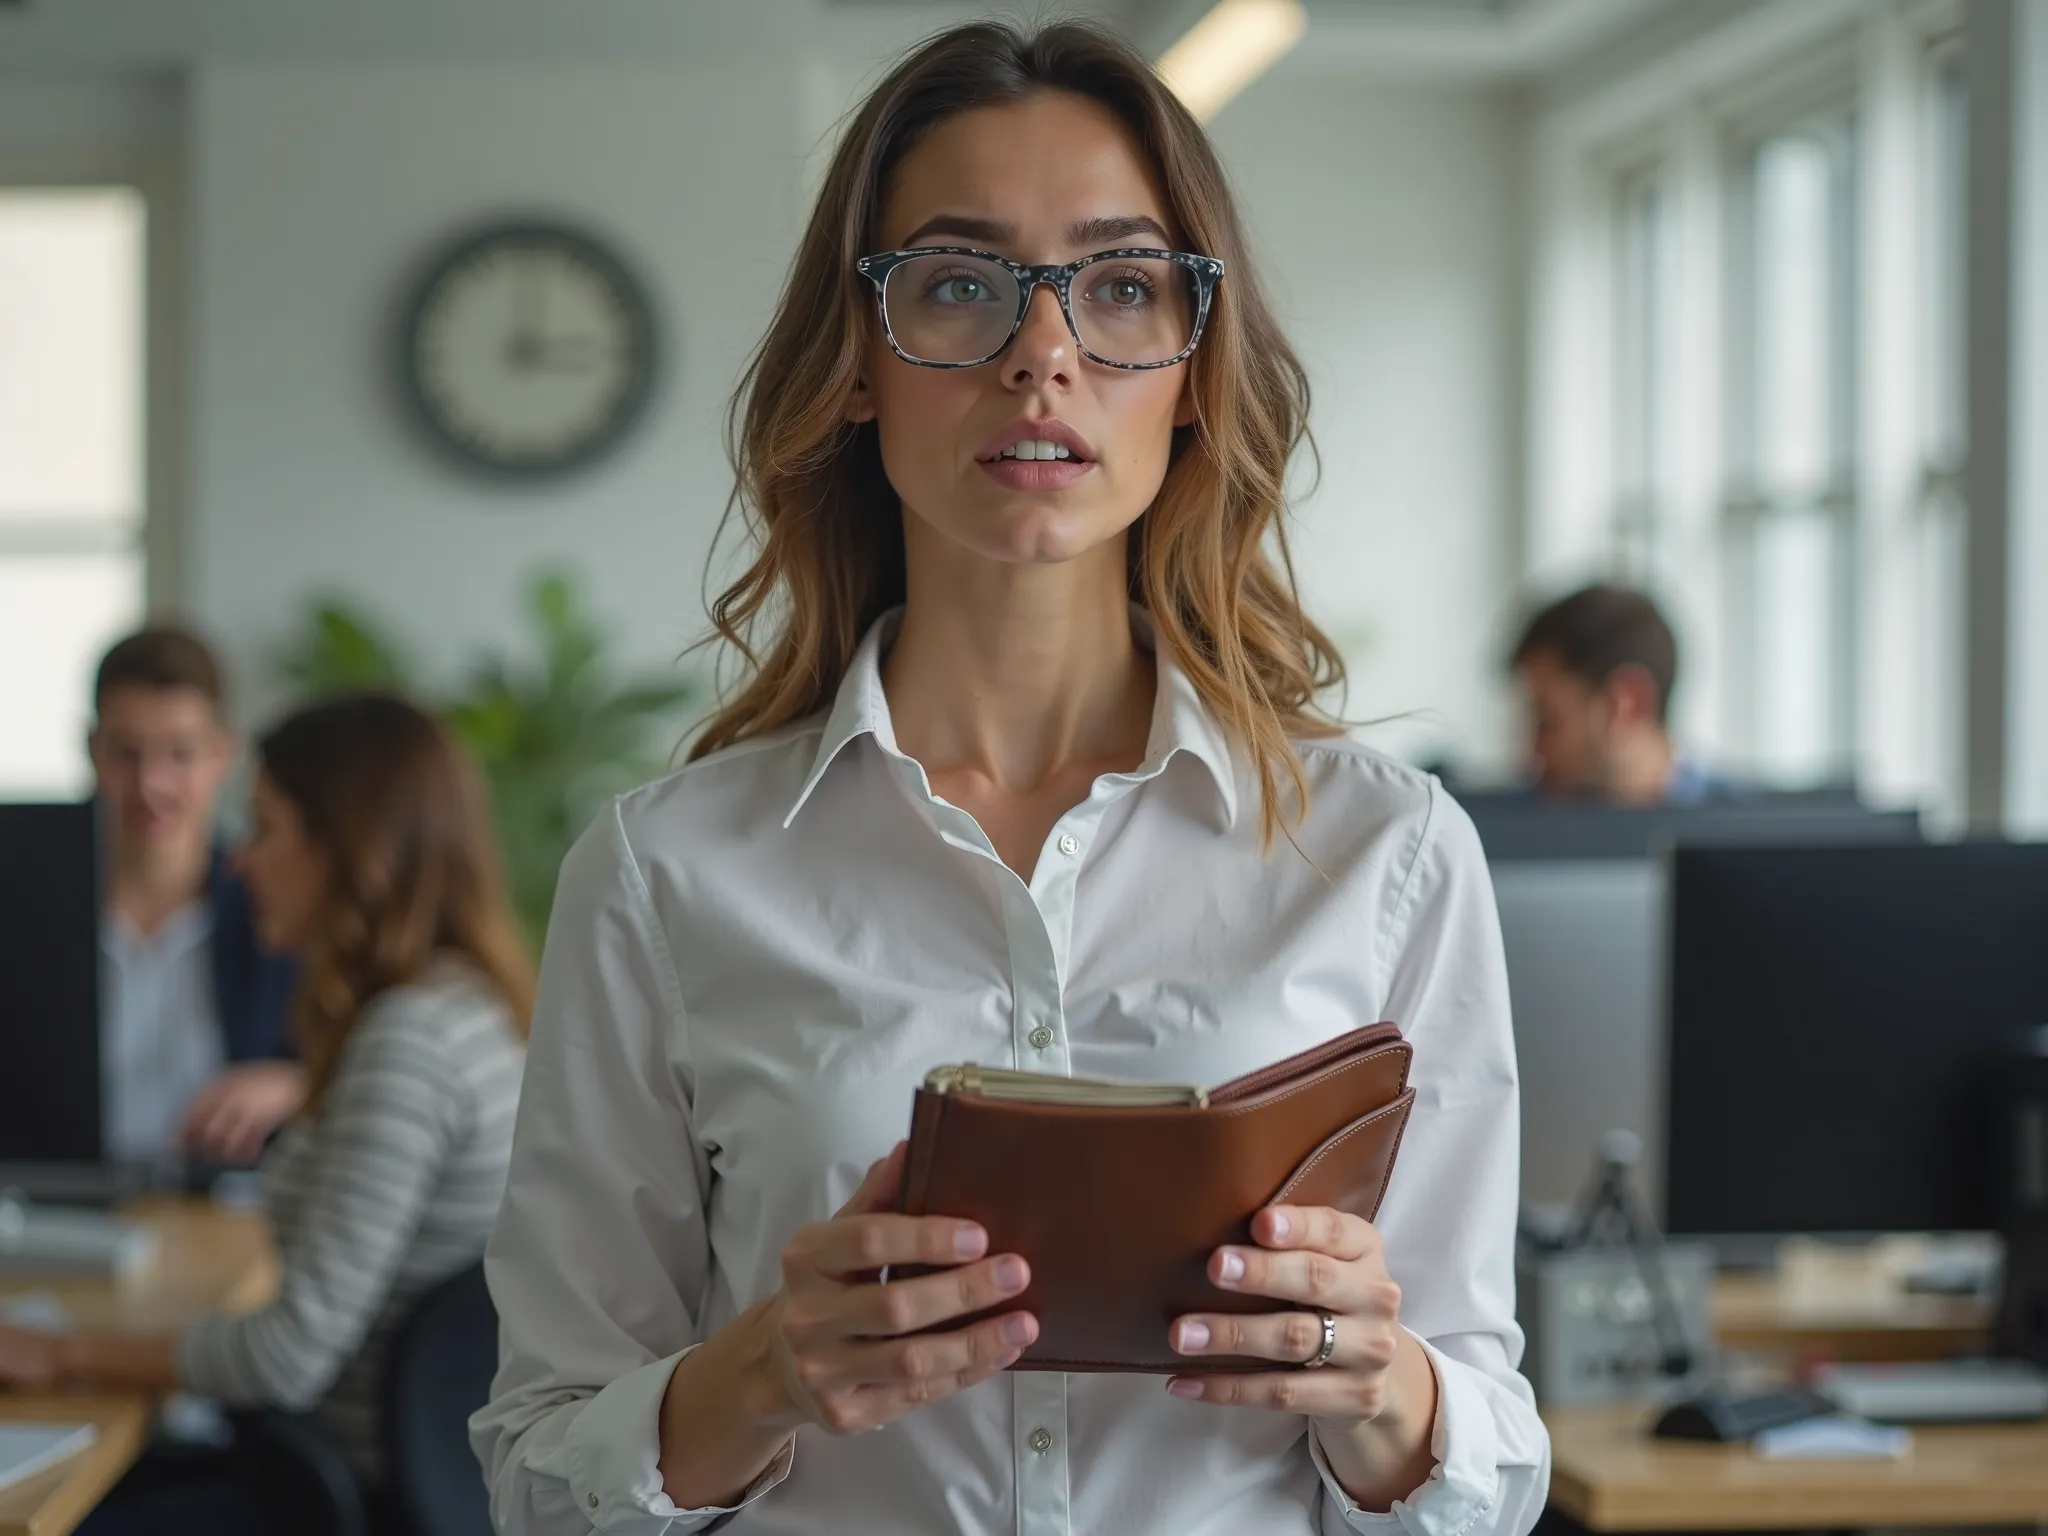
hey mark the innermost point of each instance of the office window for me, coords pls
(1645, 435)
(1789, 512)
(1779, 451)
(1940, 513)
(71, 472)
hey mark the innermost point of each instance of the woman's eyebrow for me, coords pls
(962, 227)
(1105, 230)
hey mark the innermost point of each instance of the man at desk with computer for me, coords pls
(1597, 669)
(195, 1059)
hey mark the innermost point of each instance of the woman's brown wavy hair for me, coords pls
(1208, 558)
(401, 816)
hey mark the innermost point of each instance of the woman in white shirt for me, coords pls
(1026, 770)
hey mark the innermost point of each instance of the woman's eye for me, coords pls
(1126, 292)
(960, 289)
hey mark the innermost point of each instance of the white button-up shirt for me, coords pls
(753, 963)
(160, 1039)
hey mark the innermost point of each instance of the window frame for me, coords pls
(1747, 505)
(145, 157)
(138, 145)
(1696, 107)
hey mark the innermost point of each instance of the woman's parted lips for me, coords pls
(1043, 430)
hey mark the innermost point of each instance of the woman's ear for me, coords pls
(860, 405)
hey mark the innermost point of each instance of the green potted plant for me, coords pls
(556, 733)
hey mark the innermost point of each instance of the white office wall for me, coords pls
(47, 122)
(1384, 215)
(316, 192)
(1386, 219)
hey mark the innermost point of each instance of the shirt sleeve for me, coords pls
(1450, 1212)
(374, 1156)
(601, 1257)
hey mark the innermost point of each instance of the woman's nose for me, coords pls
(1043, 348)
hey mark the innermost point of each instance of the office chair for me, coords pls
(440, 1370)
(300, 1474)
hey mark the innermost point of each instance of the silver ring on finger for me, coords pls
(1321, 1357)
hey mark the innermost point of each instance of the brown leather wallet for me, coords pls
(1117, 1193)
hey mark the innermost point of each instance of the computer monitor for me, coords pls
(1584, 932)
(1837, 1016)
(49, 985)
(1584, 964)
(1524, 827)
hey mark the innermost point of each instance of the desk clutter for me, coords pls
(1806, 1286)
(206, 1259)
(29, 1449)
(54, 1240)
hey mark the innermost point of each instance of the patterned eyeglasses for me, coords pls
(948, 306)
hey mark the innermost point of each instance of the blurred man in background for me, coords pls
(1597, 670)
(194, 1056)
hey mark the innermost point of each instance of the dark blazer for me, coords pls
(252, 988)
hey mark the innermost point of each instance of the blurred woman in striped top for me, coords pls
(372, 858)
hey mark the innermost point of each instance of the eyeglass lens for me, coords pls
(960, 309)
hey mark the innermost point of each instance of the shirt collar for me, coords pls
(1181, 722)
(185, 929)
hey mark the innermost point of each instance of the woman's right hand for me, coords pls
(837, 1348)
(851, 1354)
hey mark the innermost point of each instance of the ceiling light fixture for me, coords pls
(1228, 49)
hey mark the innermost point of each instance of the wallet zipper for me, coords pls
(1012, 1086)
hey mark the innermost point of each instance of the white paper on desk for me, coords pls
(37, 1311)
(1834, 1437)
(26, 1449)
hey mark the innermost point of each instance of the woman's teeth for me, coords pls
(1035, 448)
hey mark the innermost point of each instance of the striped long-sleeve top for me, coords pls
(389, 1189)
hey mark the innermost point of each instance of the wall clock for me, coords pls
(527, 349)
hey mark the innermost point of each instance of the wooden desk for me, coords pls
(207, 1260)
(1609, 1475)
(1756, 1312)
(52, 1503)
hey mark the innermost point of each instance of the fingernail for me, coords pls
(1194, 1336)
(969, 1242)
(1230, 1266)
(1011, 1274)
(1017, 1331)
(1180, 1386)
(1280, 1225)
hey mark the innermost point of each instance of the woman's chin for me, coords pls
(1044, 535)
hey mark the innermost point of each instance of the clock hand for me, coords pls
(565, 354)
(529, 298)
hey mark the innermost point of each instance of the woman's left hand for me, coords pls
(233, 1115)
(1327, 1262)
(28, 1360)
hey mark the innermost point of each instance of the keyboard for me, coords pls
(1724, 1415)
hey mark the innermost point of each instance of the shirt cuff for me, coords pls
(1463, 1484)
(614, 1449)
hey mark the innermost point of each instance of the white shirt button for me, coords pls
(593, 1501)
(1041, 1037)
(1041, 1440)
(1070, 845)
